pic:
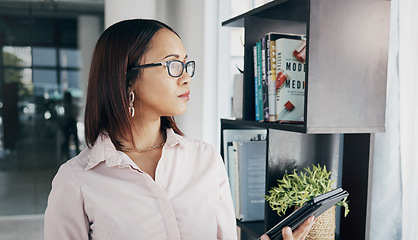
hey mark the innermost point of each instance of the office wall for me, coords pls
(89, 30)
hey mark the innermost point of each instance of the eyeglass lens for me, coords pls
(175, 68)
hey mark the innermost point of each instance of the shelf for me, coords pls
(267, 125)
(345, 96)
(290, 10)
(255, 229)
(345, 86)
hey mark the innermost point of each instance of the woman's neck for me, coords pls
(146, 134)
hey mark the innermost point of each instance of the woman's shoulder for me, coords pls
(68, 173)
(75, 169)
(190, 143)
(75, 164)
(91, 156)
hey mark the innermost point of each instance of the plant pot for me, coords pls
(324, 226)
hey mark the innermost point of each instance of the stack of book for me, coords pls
(279, 78)
(245, 161)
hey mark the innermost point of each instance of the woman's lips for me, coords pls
(185, 95)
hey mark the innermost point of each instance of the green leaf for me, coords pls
(295, 188)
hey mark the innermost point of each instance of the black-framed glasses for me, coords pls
(175, 68)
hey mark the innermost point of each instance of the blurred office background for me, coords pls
(45, 51)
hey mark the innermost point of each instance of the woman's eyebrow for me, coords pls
(173, 55)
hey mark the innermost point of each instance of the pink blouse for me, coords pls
(102, 194)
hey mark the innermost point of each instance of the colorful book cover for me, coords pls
(271, 69)
(264, 83)
(259, 88)
(257, 113)
(290, 81)
(271, 76)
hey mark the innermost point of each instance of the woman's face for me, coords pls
(156, 92)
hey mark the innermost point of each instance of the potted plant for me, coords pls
(294, 189)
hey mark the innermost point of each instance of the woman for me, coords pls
(140, 178)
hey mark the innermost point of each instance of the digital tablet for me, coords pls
(314, 207)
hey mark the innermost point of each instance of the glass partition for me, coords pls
(40, 81)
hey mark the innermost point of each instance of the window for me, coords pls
(39, 63)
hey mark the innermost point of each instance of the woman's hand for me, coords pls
(299, 234)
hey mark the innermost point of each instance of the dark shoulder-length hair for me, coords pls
(119, 48)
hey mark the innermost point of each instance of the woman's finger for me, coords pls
(287, 234)
(307, 232)
(302, 231)
(264, 237)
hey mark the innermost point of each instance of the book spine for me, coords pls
(265, 73)
(259, 82)
(279, 75)
(257, 113)
(236, 180)
(231, 170)
(272, 82)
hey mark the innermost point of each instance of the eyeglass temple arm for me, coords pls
(147, 65)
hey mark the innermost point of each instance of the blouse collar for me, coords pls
(103, 150)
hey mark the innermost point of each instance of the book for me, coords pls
(233, 175)
(264, 79)
(290, 81)
(271, 38)
(256, 73)
(251, 159)
(271, 75)
(232, 166)
(259, 89)
(241, 135)
(314, 207)
(237, 98)
(231, 138)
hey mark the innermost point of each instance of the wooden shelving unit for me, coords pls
(345, 96)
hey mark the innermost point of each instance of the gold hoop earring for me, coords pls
(131, 104)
